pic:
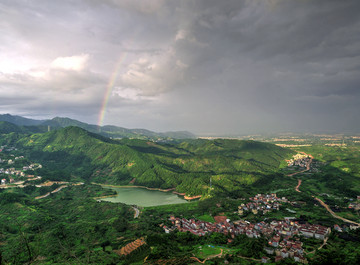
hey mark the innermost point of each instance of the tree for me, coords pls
(218, 238)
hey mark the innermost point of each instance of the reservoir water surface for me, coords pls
(144, 197)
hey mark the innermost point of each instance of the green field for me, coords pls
(205, 251)
(206, 218)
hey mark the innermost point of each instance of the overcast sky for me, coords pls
(210, 67)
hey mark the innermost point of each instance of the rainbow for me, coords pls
(109, 88)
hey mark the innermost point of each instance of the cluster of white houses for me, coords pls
(12, 172)
(299, 160)
(18, 172)
(280, 233)
(262, 203)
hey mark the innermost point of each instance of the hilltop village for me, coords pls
(300, 160)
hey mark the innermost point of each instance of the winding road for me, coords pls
(334, 214)
(54, 191)
(57, 190)
(307, 169)
(298, 185)
(319, 200)
(137, 212)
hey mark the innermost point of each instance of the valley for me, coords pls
(250, 194)
(179, 132)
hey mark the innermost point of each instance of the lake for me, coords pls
(144, 197)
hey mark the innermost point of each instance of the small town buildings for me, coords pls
(284, 253)
(262, 203)
(279, 233)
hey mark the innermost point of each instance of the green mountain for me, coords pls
(35, 126)
(7, 127)
(18, 120)
(117, 132)
(187, 166)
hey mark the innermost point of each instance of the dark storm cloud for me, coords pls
(206, 66)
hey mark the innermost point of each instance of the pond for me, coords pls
(144, 197)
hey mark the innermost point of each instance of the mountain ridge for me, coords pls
(19, 120)
(111, 131)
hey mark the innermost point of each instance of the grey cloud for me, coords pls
(211, 66)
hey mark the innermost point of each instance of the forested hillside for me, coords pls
(62, 229)
(186, 165)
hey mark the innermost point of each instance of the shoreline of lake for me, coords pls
(188, 198)
(105, 196)
(142, 197)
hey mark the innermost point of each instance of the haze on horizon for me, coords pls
(210, 67)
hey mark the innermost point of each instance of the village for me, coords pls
(300, 160)
(12, 177)
(283, 237)
(262, 204)
(12, 174)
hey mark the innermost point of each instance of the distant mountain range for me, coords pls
(18, 120)
(35, 126)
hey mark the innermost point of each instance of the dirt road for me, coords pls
(54, 191)
(298, 186)
(137, 212)
(334, 214)
(307, 169)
